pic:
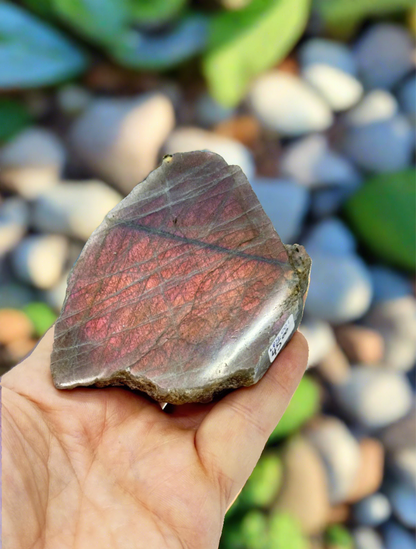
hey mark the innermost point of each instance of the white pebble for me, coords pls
(55, 296)
(287, 105)
(310, 161)
(372, 510)
(75, 209)
(32, 162)
(191, 139)
(395, 319)
(376, 106)
(340, 288)
(367, 538)
(375, 397)
(340, 90)
(119, 139)
(341, 454)
(39, 259)
(320, 338)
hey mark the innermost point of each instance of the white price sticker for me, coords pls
(281, 338)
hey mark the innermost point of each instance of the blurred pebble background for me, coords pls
(317, 104)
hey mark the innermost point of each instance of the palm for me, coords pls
(108, 468)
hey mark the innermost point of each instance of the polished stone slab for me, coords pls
(184, 290)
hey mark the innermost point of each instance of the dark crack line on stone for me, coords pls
(201, 244)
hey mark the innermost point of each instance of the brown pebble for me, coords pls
(339, 513)
(289, 65)
(335, 367)
(360, 344)
(14, 325)
(304, 493)
(245, 129)
(370, 473)
(19, 349)
(108, 78)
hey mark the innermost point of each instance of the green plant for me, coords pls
(257, 530)
(14, 117)
(382, 214)
(242, 44)
(41, 315)
(140, 50)
(155, 13)
(235, 44)
(304, 404)
(344, 16)
(285, 532)
(264, 482)
(250, 532)
(32, 53)
(254, 528)
(102, 21)
(338, 537)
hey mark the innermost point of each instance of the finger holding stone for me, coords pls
(232, 436)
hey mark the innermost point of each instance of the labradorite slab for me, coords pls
(184, 290)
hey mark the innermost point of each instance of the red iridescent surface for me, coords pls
(180, 289)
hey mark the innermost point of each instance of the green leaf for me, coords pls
(41, 315)
(342, 18)
(264, 483)
(232, 538)
(14, 117)
(102, 21)
(382, 214)
(250, 532)
(155, 12)
(247, 42)
(304, 404)
(254, 528)
(286, 532)
(138, 50)
(44, 8)
(335, 12)
(32, 53)
(337, 536)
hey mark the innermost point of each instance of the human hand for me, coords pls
(107, 468)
